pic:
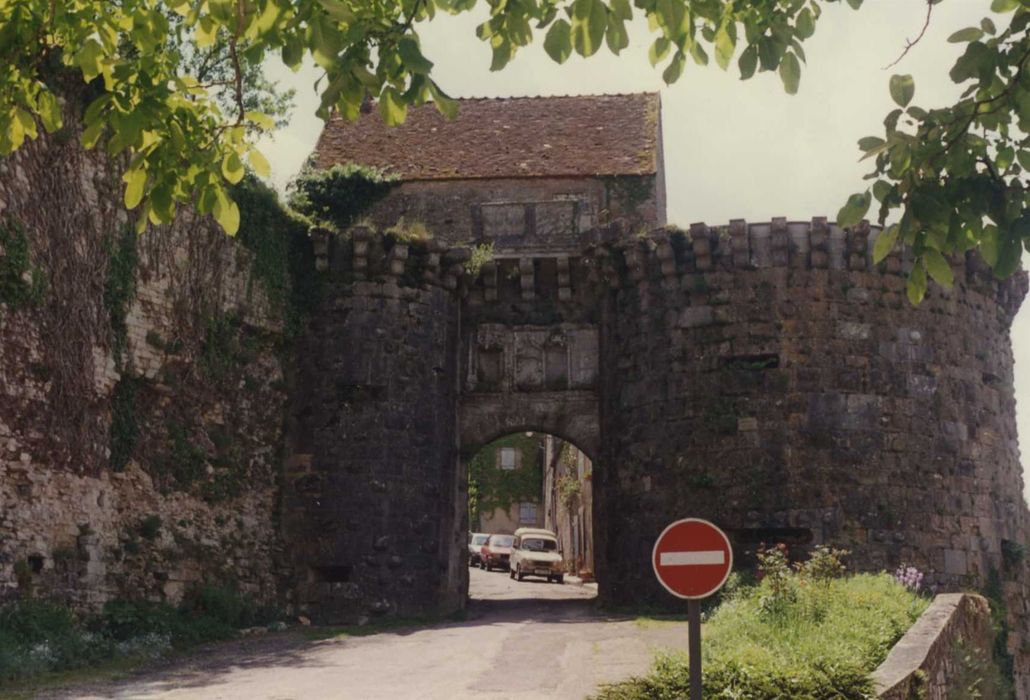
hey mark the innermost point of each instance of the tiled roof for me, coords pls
(504, 137)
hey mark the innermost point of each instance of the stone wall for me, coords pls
(542, 214)
(375, 503)
(141, 394)
(923, 664)
(767, 378)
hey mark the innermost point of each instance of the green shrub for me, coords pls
(822, 642)
(39, 637)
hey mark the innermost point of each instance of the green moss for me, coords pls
(21, 282)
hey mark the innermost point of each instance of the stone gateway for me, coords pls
(766, 377)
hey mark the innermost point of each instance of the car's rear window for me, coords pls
(501, 540)
(539, 544)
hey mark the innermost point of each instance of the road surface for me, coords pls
(521, 641)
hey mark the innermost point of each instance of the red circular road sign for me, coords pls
(692, 558)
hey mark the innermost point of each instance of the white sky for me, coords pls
(733, 149)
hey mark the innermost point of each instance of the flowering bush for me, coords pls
(910, 577)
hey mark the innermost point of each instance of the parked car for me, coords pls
(496, 552)
(476, 542)
(535, 552)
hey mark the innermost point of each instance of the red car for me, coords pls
(496, 552)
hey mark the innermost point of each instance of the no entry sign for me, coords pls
(692, 558)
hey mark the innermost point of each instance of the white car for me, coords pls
(535, 552)
(476, 541)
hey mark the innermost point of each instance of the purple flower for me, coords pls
(909, 576)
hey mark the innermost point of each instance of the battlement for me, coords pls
(614, 258)
(670, 254)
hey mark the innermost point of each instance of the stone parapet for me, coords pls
(923, 664)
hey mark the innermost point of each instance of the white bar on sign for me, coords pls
(691, 558)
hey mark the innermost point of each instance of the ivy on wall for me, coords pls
(491, 487)
(120, 286)
(21, 282)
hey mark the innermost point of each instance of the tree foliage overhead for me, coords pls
(177, 87)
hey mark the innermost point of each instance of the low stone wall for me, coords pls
(922, 664)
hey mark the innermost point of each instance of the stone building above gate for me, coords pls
(525, 174)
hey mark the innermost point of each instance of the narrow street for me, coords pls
(528, 640)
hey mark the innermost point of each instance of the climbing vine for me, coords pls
(21, 282)
(627, 191)
(119, 287)
(124, 423)
(333, 199)
(494, 487)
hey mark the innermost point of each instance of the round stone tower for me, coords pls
(772, 379)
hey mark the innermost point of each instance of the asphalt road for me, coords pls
(528, 640)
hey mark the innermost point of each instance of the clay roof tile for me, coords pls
(504, 137)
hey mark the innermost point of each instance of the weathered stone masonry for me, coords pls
(766, 377)
(141, 397)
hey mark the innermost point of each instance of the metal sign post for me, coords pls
(694, 647)
(692, 559)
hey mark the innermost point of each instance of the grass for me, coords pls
(814, 640)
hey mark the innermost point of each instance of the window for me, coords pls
(527, 512)
(507, 457)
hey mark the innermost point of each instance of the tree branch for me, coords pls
(910, 43)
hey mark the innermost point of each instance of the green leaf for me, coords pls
(1023, 157)
(391, 107)
(725, 45)
(49, 111)
(916, 286)
(260, 119)
(412, 56)
(804, 26)
(1003, 6)
(589, 20)
(856, 208)
(558, 42)
(675, 68)
(135, 182)
(967, 34)
(259, 163)
(232, 167)
(697, 52)
(293, 52)
(881, 189)
(790, 73)
(902, 89)
(748, 62)
(658, 50)
(885, 243)
(990, 245)
(226, 213)
(89, 59)
(621, 9)
(938, 267)
(445, 105)
(871, 143)
(616, 36)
